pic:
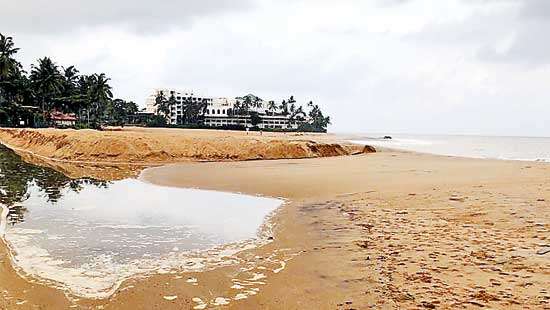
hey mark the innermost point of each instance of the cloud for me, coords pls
(535, 9)
(41, 16)
(454, 66)
(530, 45)
(385, 3)
(497, 31)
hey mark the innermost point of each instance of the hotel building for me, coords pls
(220, 111)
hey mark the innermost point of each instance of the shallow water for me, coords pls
(507, 148)
(87, 235)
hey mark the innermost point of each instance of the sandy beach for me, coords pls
(381, 230)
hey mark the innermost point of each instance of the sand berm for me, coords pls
(139, 145)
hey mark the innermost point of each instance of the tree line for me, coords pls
(18, 177)
(249, 106)
(33, 96)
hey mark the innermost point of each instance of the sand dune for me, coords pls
(151, 146)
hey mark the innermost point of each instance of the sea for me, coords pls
(488, 147)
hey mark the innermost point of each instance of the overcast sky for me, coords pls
(409, 66)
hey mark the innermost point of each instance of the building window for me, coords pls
(218, 111)
(223, 111)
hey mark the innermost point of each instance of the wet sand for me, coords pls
(382, 230)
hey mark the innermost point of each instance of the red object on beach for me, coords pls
(58, 116)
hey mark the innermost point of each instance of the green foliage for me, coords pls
(272, 107)
(162, 104)
(194, 111)
(157, 121)
(30, 98)
(47, 82)
(118, 111)
(50, 87)
(317, 121)
(255, 118)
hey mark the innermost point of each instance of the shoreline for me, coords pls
(389, 229)
(208, 259)
(504, 154)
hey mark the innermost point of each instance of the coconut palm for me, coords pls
(7, 61)
(284, 107)
(47, 82)
(237, 108)
(272, 107)
(11, 80)
(246, 104)
(317, 120)
(99, 94)
(69, 97)
(161, 103)
(257, 102)
(71, 78)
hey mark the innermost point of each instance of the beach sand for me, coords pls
(146, 146)
(384, 230)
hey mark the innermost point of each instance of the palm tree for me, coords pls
(195, 110)
(162, 104)
(257, 102)
(292, 109)
(172, 102)
(82, 99)
(246, 104)
(272, 106)
(237, 108)
(100, 95)
(291, 100)
(7, 61)
(284, 107)
(318, 121)
(71, 75)
(47, 82)
(69, 92)
(71, 78)
(11, 80)
(297, 115)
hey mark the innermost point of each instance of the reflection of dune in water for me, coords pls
(85, 170)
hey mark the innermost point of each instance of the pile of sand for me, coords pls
(168, 145)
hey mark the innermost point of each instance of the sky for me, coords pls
(386, 66)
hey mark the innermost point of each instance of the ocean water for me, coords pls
(87, 236)
(493, 147)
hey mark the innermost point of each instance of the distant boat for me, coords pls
(387, 137)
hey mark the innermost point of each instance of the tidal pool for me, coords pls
(87, 236)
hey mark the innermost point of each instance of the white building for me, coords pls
(176, 111)
(220, 112)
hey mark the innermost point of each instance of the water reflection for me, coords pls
(18, 176)
(87, 236)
